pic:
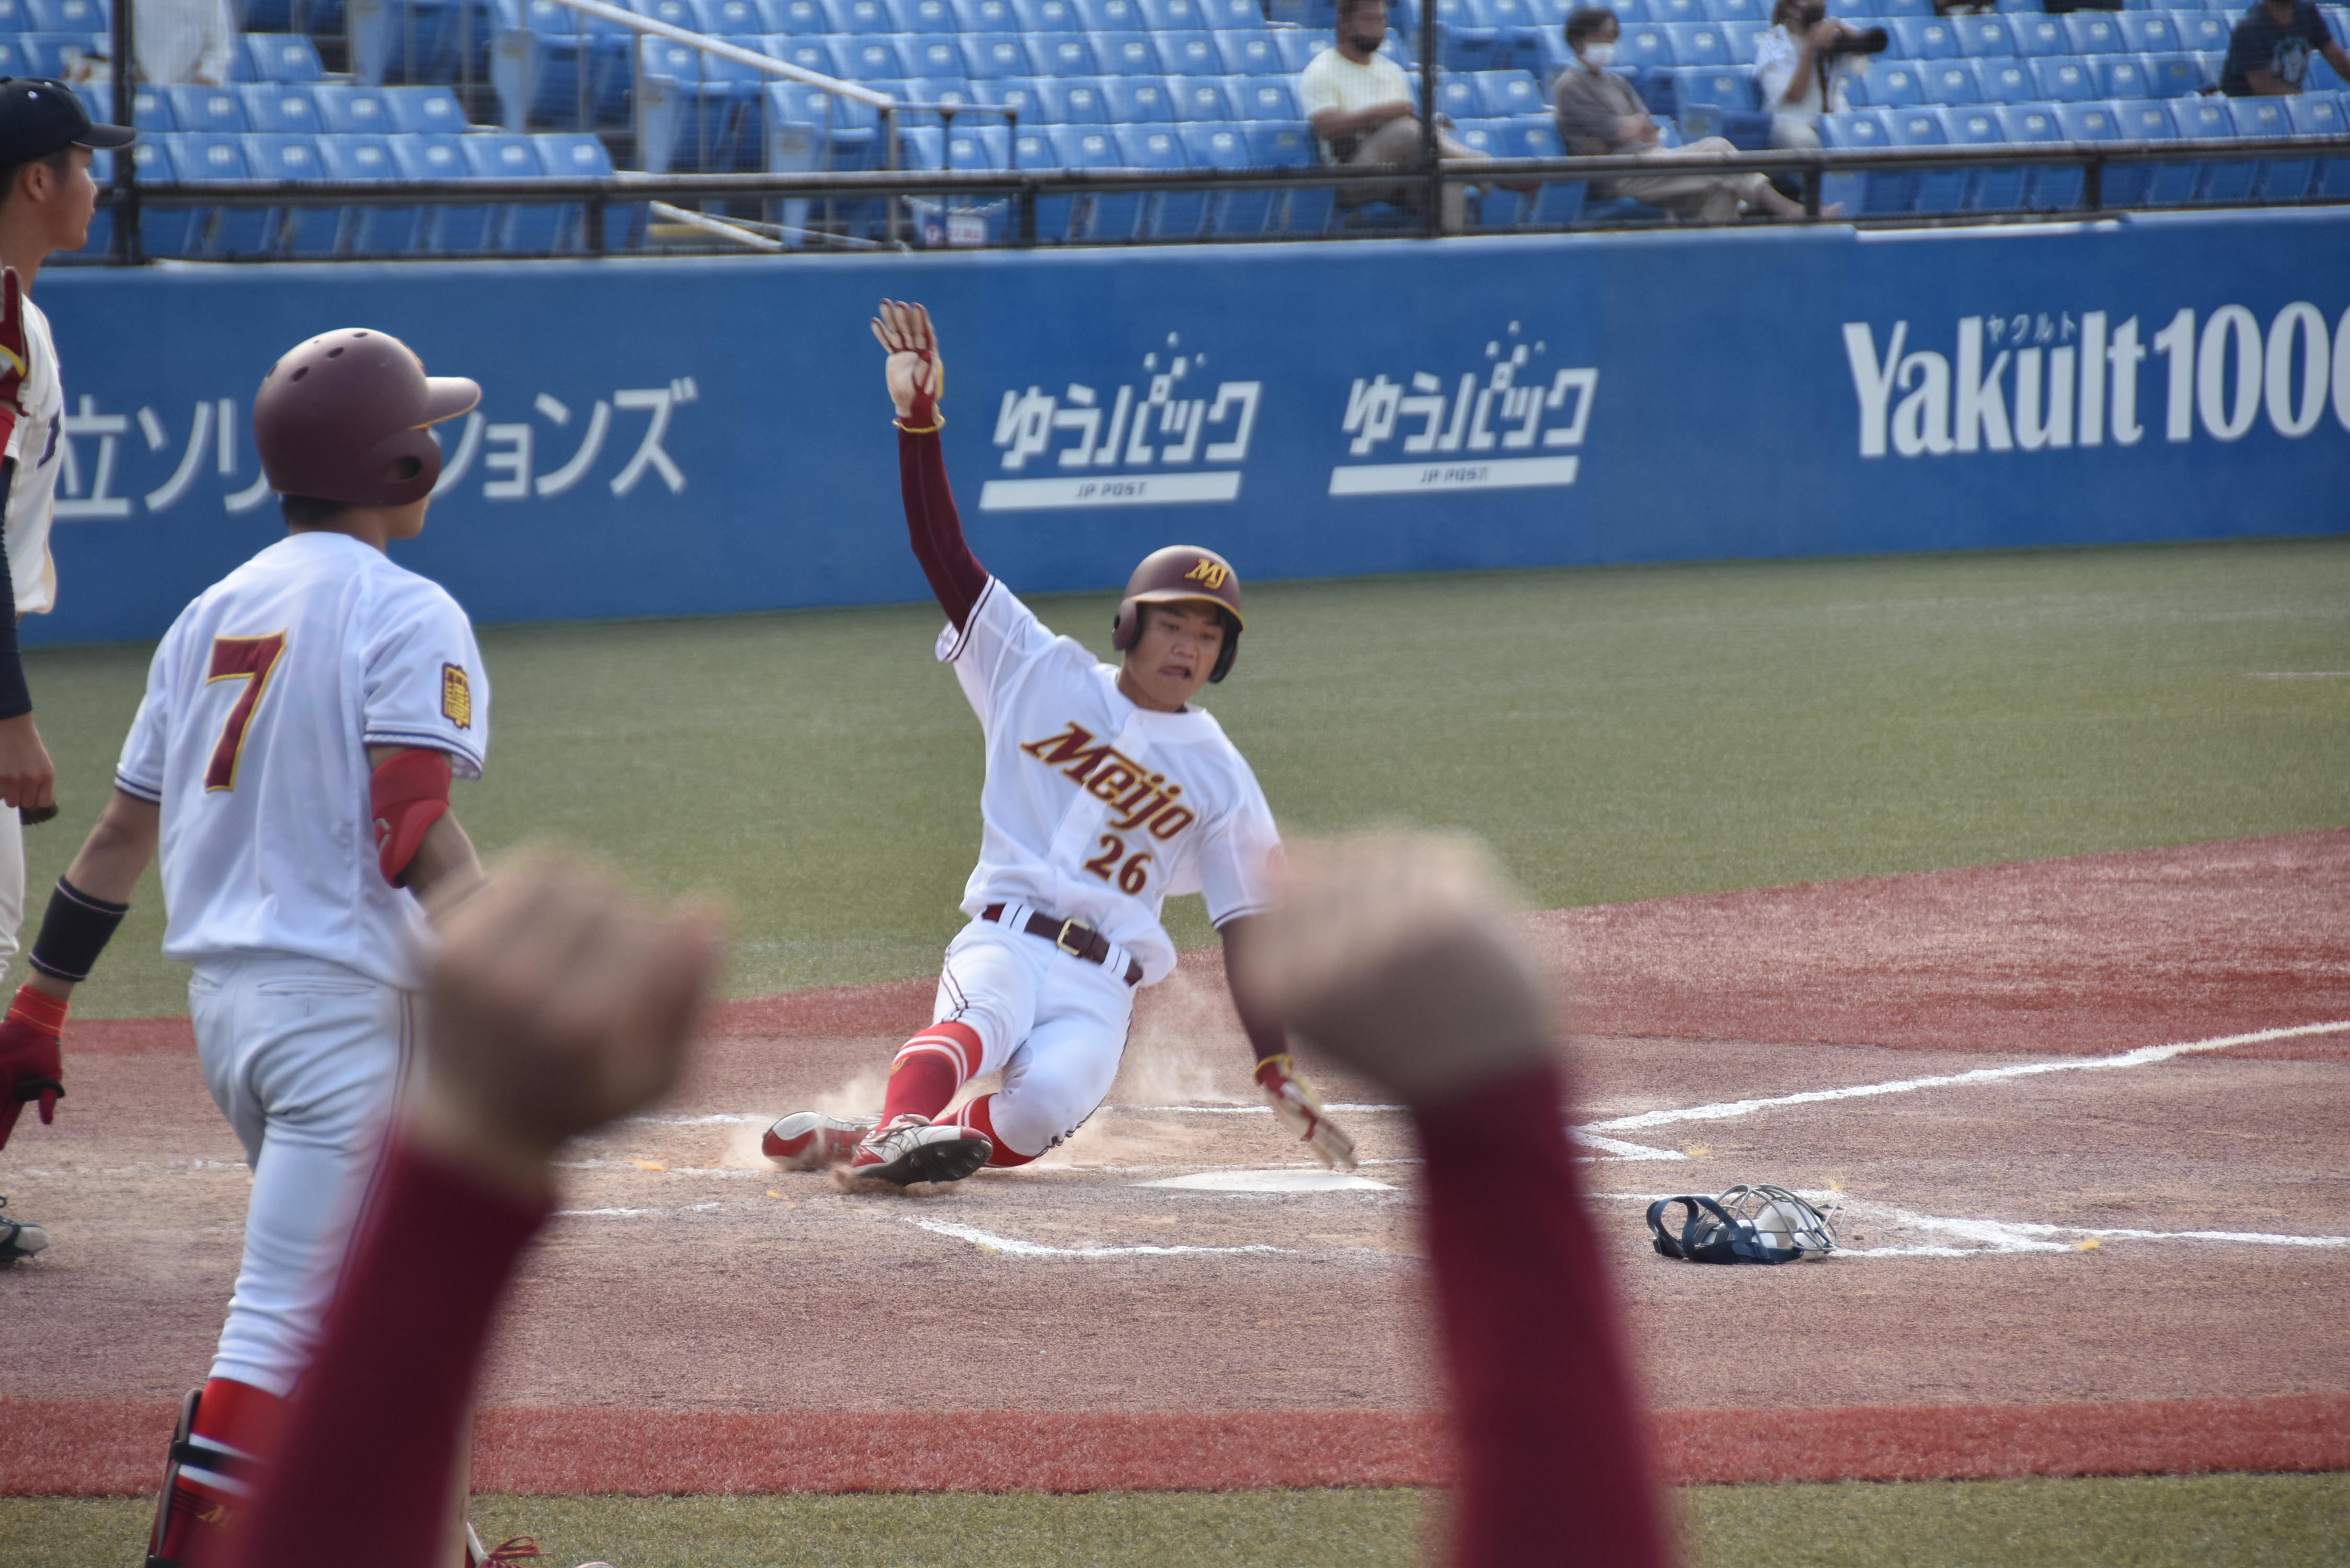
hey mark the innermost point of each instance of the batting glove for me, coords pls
(1300, 1110)
(13, 350)
(32, 1067)
(917, 375)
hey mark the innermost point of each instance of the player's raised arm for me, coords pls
(917, 377)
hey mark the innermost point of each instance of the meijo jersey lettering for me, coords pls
(261, 705)
(1096, 809)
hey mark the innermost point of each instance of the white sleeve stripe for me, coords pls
(1241, 913)
(151, 793)
(970, 623)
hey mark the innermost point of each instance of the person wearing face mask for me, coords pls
(1359, 103)
(1600, 114)
(1800, 76)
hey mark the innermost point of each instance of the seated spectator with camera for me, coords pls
(1599, 113)
(1358, 102)
(1802, 64)
(2268, 54)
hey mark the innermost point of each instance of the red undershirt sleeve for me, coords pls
(368, 1456)
(1553, 1446)
(936, 528)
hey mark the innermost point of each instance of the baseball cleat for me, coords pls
(810, 1140)
(514, 1548)
(912, 1148)
(19, 1238)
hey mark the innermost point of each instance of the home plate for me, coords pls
(1288, 1181)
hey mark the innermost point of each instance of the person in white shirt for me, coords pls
(185, 41)
(292, 759)
(1106, 790)
(46, 201)
(1358, 102)
(1798, 77)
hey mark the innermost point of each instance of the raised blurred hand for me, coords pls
(916, 373)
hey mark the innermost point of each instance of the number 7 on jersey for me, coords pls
(247, 659)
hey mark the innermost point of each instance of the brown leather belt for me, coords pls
(1078, 941)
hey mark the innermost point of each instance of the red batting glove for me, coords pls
(14, 353)
(32, 1067)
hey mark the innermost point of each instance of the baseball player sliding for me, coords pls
(292, 757)
(1105, 792)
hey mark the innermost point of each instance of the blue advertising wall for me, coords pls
(689, 437)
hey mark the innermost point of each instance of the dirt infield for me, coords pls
(2066, 1253)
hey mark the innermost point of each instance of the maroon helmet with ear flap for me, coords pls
(1171, 576)
(343, 418)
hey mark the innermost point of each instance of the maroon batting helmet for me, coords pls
(1172, 575)
(343, 418)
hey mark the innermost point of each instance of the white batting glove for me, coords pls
(1300, 1110)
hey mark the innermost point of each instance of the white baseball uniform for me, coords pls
(253, 739)
(1093, 810)
(35, 445)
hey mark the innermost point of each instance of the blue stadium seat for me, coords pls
(442, 230)
(1556, 205)
(299, 231)
(919, 16)
(2047, 189)
(695, 110)
(1675, 13)
(1297, 48)
(802, 19)
(990, 57)
(1112, 16)
(1063, 55)
(1192, 54)
(2064, 81)
(2207, 118)
(1048, 16)
(1895, 84)
(871, 59)
(809, 129)
(2324, 114)
(2037, 37)
(1721, 87)
(1114, 216)
(368, 230)
(1138, 101)
(68, 16)
(424, 109)
(1645, 46)
(1239, 16)
(1739, 38)
(282, 58)
(1873, 193)
(812, 52)
(985, 16)
(1701, 44)
(345, 110)
(1982, 37)
(2149, 184)
(1457, 95)
(286, 110)
(579, 155)
(2171, 76)
(515, 227)
(1738, 10)
(1127, 55)
(2097, 122)
(422, 41)
(1888, 9)
(1012, 92)
(1304, 210)
(1952, 82)
(933, 56)
(1988, 189)
(163, 232)
(1501, 94)
(2095, 33)
(2273, 179)
(1200, 100)
(553, 66)
(2120, 75)
(1173, 16)
(1933, 190)
(217, 110)
(1249, 54)
(1223, 147)
(1266, 98)
(1166, 215)
(2007, 80)
(1063, 101)
(1922, 38)
(2204, 30)
(1525, 137)
(204, 156)
(2148, 32)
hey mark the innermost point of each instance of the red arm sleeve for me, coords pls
(1554, 1449)
(956, 577)
(369, 1456)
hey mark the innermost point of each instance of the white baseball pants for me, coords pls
(12, 885)
(306, 1059)
(1054, 1025)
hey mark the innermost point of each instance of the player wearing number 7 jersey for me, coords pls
(292, 756)
(1107, 791)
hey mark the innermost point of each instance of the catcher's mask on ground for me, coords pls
(1171, 576)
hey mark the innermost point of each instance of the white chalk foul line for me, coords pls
(2143, 1055)
(987, 1240)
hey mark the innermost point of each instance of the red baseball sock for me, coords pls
(235, 1430)
(979, 1116)
(929, 1069)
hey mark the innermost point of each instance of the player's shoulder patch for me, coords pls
(456, 696)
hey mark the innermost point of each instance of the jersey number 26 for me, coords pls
(250, 660)
(1130, 877)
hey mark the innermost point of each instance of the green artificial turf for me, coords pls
(2201, 1521)
(1617, 733)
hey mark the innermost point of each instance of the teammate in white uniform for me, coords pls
(1107, 791)
(293, 755)
(46, 201)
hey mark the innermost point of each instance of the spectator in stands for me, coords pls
(1599, 113)
(1359, 103)
(183, 41)
(1799, 80)
(2268, 55)
(559, 1002)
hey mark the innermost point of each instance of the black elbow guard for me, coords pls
(74, 931)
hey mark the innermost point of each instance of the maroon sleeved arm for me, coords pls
(1554, 1449)
(936, 528)
(370, 1453)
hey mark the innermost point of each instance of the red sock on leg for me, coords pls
(929, 1069)
(979, 1116)
(233, 1435)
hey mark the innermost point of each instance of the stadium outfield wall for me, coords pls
(709, 436)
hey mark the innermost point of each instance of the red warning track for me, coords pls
(84, 1448)
(775, 1364)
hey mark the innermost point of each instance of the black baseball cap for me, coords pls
(38, 117)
